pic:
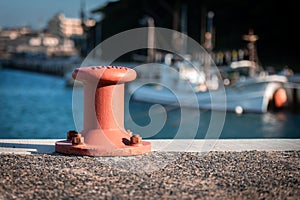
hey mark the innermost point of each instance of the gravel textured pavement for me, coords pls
(156, 175)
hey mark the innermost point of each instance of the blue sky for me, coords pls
(36, 13)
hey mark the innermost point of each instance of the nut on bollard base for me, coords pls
(120, 143)
(66, 147)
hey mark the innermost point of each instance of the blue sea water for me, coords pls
(39, 106)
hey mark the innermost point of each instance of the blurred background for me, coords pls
(42, 41)
(78, 26)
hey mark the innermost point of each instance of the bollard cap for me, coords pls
(104, 74)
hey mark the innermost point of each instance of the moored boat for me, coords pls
(241, 89)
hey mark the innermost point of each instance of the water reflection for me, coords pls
(272, 124)
(249, 125)
(40, 106)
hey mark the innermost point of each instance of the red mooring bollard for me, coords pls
(103, 133)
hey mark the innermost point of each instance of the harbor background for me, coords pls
(39, 106)
(37, 58)
(256, 156)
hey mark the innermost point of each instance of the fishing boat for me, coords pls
(241, 87)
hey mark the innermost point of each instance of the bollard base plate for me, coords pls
(66, 147)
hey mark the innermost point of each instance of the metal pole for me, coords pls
(151, 39)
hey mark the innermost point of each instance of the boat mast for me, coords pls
(209, 31)
(251, 38)
(208, 43)
(151, 39)
(184, 28)
(180, 25)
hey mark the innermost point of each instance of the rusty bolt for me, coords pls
(71, 134)
(77, 139)
(135, 140)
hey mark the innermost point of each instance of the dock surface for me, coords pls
(175, 169)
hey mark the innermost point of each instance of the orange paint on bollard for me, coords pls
(103, 132)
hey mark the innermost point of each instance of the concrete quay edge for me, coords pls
(47, 146)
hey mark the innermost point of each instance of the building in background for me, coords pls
(63, 37)
(64, 27)
(72, 28)
(8, 40)
(26, 42)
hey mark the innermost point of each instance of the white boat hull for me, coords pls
(249, 96)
